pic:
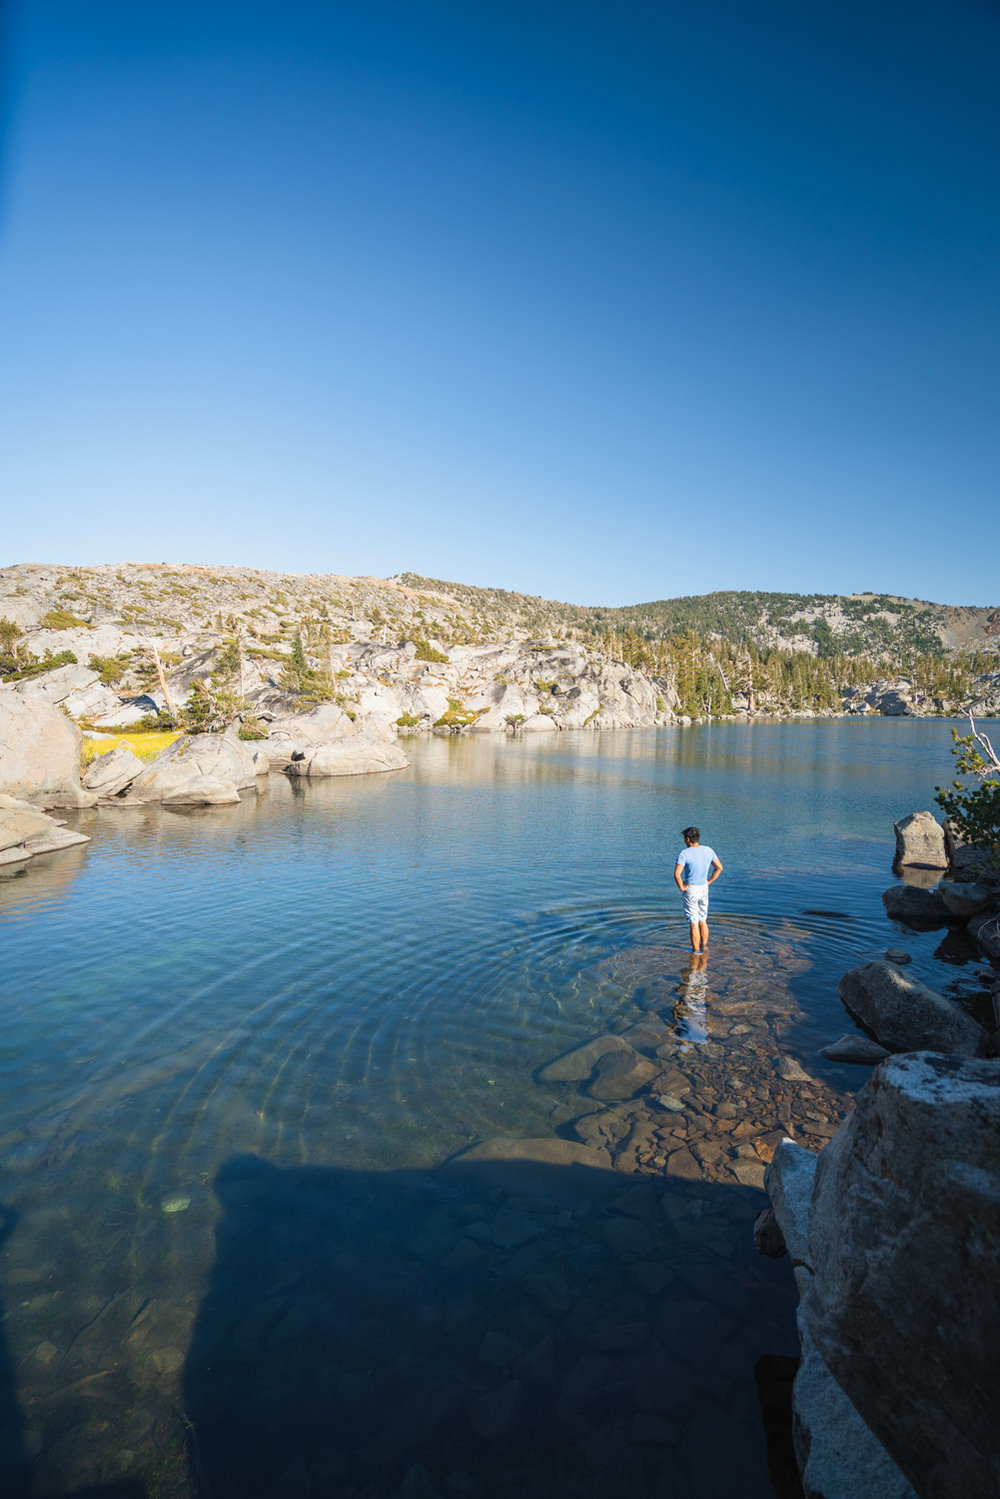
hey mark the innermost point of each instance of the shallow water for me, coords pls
(237, 1042)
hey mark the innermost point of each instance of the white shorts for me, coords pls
(696, 903)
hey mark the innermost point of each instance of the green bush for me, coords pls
(111, 668)
(11, 671)
(427, 652)
(62, 619)
(408, 720)
(975, 810)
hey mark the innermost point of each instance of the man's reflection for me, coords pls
(690, 1013)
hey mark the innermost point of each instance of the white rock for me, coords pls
(359, 755)
(39, 753)
(920, 840)
(111, 773)
(196, 769)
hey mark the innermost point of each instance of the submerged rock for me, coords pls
(577, 1065)
(859, 1050)
(621, 1074)
(907, 1016)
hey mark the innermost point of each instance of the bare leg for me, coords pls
(703, 934)
(696, 927)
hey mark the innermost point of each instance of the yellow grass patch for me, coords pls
(145, 746)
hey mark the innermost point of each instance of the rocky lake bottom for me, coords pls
(263, 1231)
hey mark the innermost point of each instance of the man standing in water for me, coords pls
(697, 867)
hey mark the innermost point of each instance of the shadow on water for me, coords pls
(488, 1329)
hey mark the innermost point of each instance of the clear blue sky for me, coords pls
(606, 302)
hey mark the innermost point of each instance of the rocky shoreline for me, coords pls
(893, 1226)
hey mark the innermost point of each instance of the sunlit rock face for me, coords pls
(39, 753)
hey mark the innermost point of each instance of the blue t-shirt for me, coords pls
(697, 862)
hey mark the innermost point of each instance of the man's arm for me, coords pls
(679, 877)
(716, 868)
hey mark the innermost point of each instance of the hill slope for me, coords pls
(706, 655)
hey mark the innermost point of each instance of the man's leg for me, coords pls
(702, 934)
(696, 927)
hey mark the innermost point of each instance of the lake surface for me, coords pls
(238, 1043)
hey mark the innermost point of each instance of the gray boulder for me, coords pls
(985, 930)
(907, 1016)
(838, 1456)
(39, 753)
(965, 898)
(197, 769)
(296, 733)
(903, 1304)
(111, 773)
(356, 756)
(915, 906)
(856, 1049)
(20, 822)
(920, 840)
(963, 857)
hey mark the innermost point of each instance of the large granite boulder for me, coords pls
(920, 840)
(112, 772)
(39, 753)
(904, 1299)
(907, 1016)
(359, 755)
(296, 733)
(197, 769)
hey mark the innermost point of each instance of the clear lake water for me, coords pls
(242, 1047)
